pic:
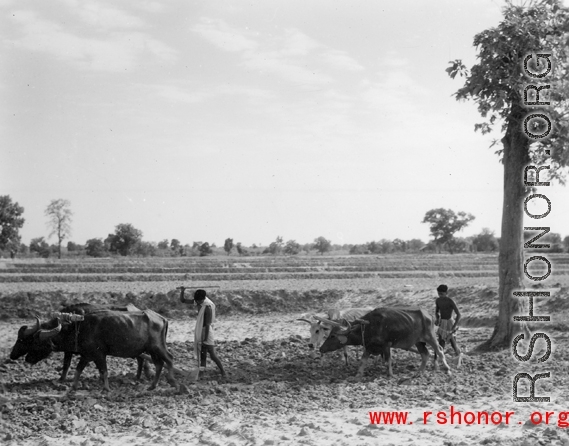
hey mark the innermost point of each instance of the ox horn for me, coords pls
(48, 334)
(305, 320)
(330, 322)
(31, 330)
(362, 321)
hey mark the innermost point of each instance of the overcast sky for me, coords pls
(202, 120)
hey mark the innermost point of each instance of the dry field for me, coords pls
(276, 392)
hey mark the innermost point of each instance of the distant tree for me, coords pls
(228, 245)
(360, 249)
(205, 249)
(292, 248)
(458, 244)
(145, 249)
(59, 217)
(415, 245)
(322, 245)
(239, 248)
(95, 247)
(40, 247)
(276, 247)
(175, 245)
(11, 222)
(399, 245)
(527, 48)
(444, 223)
(566, 243)
(485, 241)
(125, 239)
(164, 244)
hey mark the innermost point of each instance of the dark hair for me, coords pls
(199, 295)
(442, 288)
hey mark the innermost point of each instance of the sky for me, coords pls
(207, 120)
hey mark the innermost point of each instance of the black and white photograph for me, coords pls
(284, 222)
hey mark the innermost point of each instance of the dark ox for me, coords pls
(82, 309)
(385, 328)
(102, 333)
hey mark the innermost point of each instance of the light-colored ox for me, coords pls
(320, 329)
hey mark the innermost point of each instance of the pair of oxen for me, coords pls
(378, 331)
(95, 332)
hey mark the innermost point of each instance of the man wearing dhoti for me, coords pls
(204, 338)
(445, 306)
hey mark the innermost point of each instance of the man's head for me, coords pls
(442, 290)
(199, 297)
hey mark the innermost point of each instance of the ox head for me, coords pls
(319, 331)
(35, 341)
(342, 334)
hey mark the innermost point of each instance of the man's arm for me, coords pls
(206, 322)
(182, 297)
(457, 320)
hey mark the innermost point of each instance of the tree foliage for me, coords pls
(292, 248)
(498, 84)
(228, 245)
(11, 221)
(485, 241)
(125, 239)
(322, 245)
(59, 216)
(40, 247)
(205, 249)
(444, 223)
(95, 247)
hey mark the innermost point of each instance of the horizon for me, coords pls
(205, 121)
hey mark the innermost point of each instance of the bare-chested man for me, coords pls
(445, 306)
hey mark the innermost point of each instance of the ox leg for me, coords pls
(387, 358)
(101, 364)
(438, 352)
(363, 363)
(66, 364)
(80, 367)
(346, 356)
(421, 347)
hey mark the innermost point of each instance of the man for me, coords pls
(204, 340)
(445, 306)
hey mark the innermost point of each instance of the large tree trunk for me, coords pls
(510, 260)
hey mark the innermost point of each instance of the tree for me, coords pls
(59, 217)
(322, 245)
(228, 245)
(415, 245)
(276, 247)
(566, 243)
(292, 248)
(164, 244)
(11, 222)
(95, 247)
(175, 245)
(485, 241)
(444, 223)
(205, 249)
(40, 246)
(125, 239)
(497, 84)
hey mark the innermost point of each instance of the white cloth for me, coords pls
(198, 332)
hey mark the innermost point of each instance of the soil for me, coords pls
(276, 391)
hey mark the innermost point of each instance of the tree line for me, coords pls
(127, 240)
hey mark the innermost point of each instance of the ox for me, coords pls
(385, 328)
(320, 329)
(81, 309)
(125, 334)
